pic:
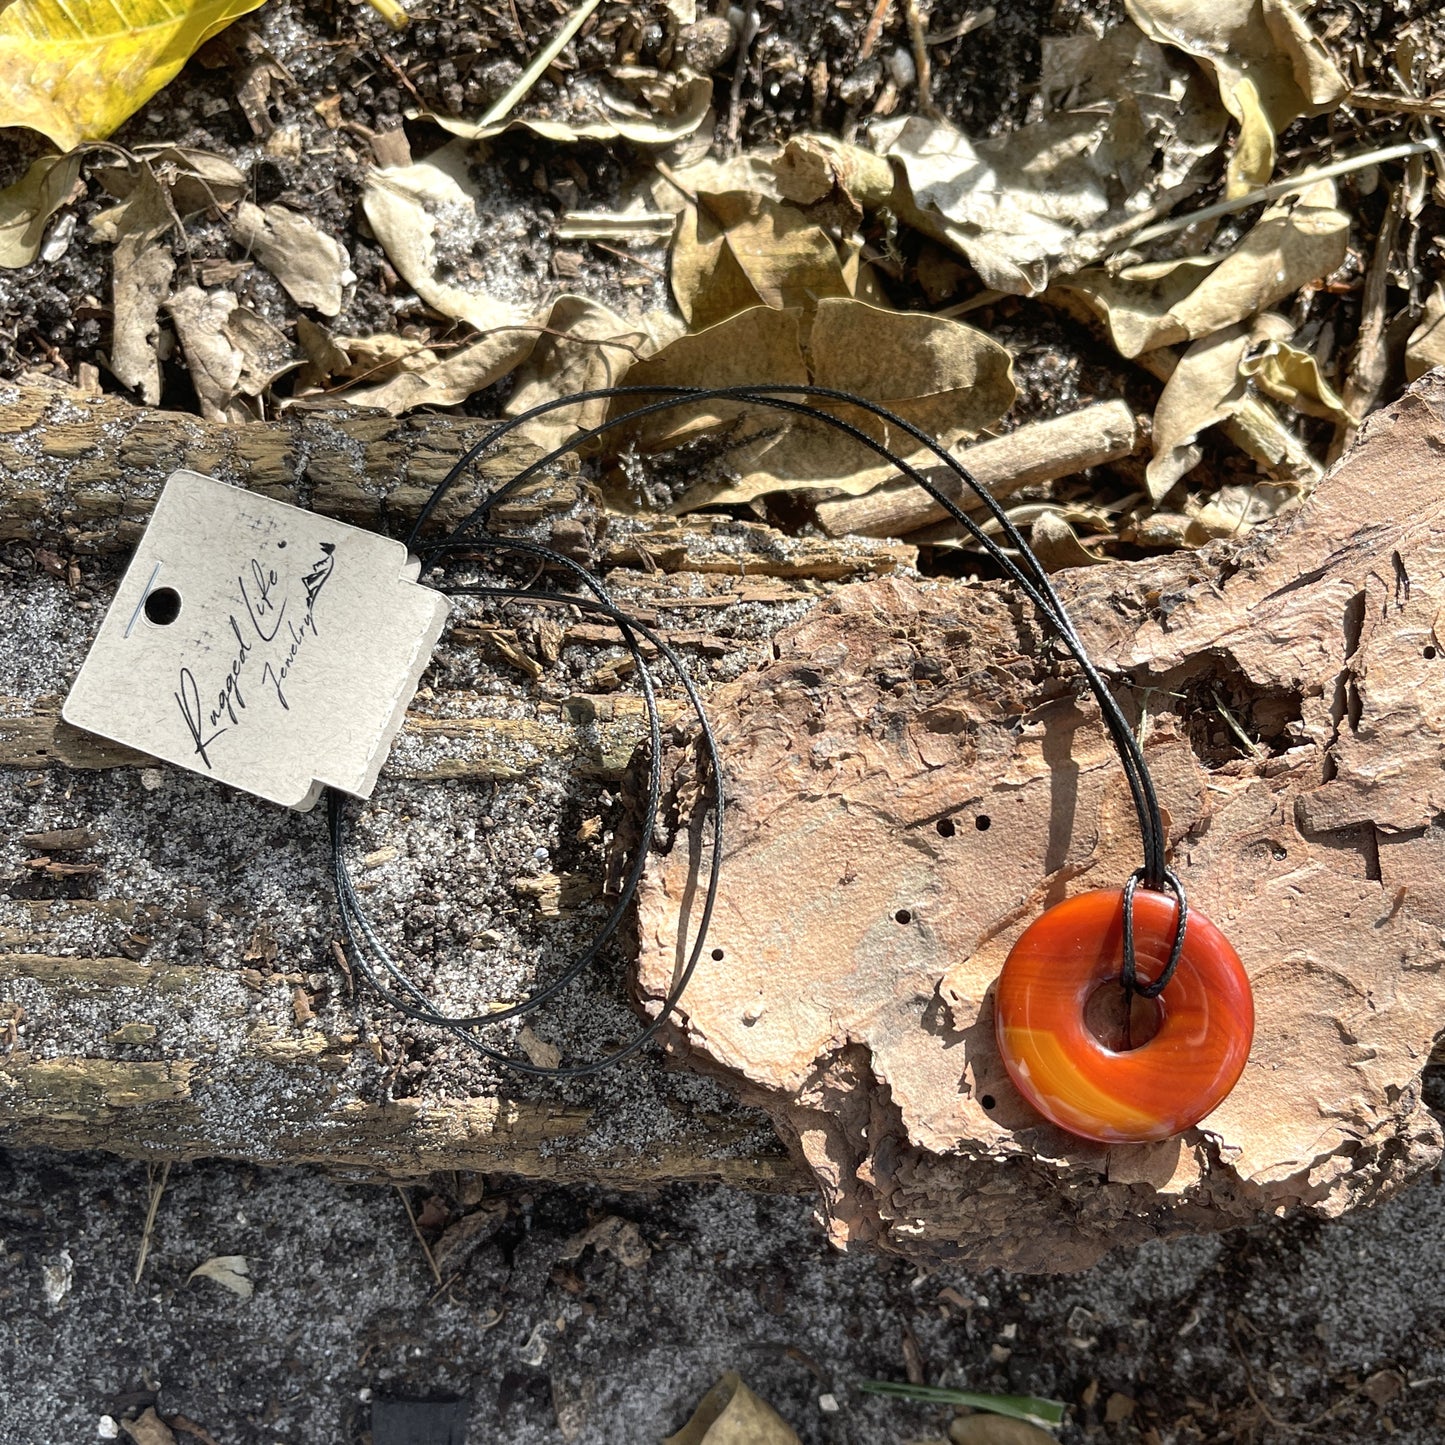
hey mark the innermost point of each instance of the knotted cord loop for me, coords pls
(1130, 975)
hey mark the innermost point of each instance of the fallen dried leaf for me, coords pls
(230, 1271)
(1206, 389)
(189, 1427)
(195, 179)
(74, 69)
(737, 249)
(1294, 243)
(730, 1414)
(578, 339)
(613, 1235)
(149, 1429)
(1234, 510)
(141, 278)
(1057, 545)
(1130, 129)
(407, 206)
(1383, 1386)
(1426, 346)
(674, 105)
(1118, 1407)
(819, 171)
(946, 377)
(584, 346)
(314, 268)
(361, 358)
(1270, 68)
(455, 377)
(26, 206)
(213, 359)
(545, 1055)
(1292, 375)
(266, 353)
(996, 1430)
(460, 1239)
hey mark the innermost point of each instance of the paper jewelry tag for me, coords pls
(259, 644)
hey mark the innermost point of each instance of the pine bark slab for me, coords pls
(918, 774)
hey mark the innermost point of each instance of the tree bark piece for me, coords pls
(919, 774)
(1038, 452)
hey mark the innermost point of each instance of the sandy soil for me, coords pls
(1247, 1336)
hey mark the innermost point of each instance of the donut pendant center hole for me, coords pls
(1105, 1018)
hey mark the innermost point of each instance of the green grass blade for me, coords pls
(1017, 1407)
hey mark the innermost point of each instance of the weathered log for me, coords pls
(919, 773)
(170, 987)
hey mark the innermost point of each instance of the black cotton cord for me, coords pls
(470, 536)
(1034, 583)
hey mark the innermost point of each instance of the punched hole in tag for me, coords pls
(162, 606)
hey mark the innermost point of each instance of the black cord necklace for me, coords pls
(1164, 944)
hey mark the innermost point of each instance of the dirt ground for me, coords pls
(1321, 1331)
(1328, 1332)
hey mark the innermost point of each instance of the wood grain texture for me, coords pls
(170, 989)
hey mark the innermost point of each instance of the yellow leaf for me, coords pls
(75, 69)
(730, 1414)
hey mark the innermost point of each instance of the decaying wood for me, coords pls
(159, 1006)
(84, 472)
(1040, 451)
(918, 774)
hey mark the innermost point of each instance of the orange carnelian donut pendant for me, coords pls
(1206, 1019)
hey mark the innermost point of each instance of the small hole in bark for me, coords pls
(1104, 1018)
(717, 955)
(983, 822)
(946, 828)
(987, 1100)
(1429, 654)
(163, 606)
(903, 916)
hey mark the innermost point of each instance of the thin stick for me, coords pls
(1369, 364)
(966, 26)
(1407, 104)
(157, 1187)
(752, 23)
(1252, 747)
(544, 57)
(628, 256)
(874, 30)
(1286, 187)
(918, 36)
(420, 1238)
(1036, 452)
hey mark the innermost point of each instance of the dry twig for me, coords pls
(157, 1188)
(420, 1237)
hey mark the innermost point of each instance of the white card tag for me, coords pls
(259, 644)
